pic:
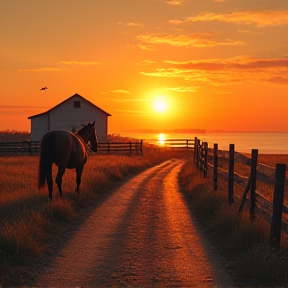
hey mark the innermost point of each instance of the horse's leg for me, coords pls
(79, 171)
(50, 182)
(61, 171)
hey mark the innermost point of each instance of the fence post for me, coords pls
(108, 146)
(205, 144)
(275, 234)
(231, 174)
(202, 168)
(141, 148)
(30, 148)
(253, 181)
(195, 150)
(130, 147)
(215, 174)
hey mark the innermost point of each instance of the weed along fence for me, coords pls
(208, 160)
(107, 147)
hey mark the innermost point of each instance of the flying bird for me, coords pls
(44, 88)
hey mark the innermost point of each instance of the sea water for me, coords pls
(265, 142)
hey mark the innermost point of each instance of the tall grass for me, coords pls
(28, 219)
(242, 243)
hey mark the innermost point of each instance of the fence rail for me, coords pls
(106, 147)
(174, 143)
(206, 159)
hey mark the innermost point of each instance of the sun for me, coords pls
(160, 104)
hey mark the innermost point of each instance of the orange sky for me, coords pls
(221, 64)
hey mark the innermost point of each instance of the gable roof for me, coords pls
(68, 100)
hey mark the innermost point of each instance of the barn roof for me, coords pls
(66, 101)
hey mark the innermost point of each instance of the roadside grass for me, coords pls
(242, 243)
(28, 219)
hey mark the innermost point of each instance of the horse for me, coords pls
(66, 150)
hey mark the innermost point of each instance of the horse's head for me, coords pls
(92, 136)
(88, 134)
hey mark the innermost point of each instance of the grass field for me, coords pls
(28, 219)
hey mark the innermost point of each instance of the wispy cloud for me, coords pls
(175, 2)
(73, 62)
(59, 69)
(22, 107)
(131, 24)
(176, 21)
(43, 69)
(238, 63)
(260, 18)
(118, 91)
(226, 71)
(182, 89)
(197, 40)
(144, 47)
(146, 63)
(127, 100)
(132, 112)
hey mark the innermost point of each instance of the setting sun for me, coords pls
(160, 104)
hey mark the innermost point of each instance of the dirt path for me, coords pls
(141, 236)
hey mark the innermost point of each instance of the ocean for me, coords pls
(266, 143)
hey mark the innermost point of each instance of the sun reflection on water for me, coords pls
(161, 139)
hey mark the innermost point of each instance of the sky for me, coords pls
(214, 64)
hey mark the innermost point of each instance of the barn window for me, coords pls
(77, 104)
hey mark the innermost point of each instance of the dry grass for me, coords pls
(28, 218)
(242, 244)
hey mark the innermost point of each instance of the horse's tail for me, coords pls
(46, 158)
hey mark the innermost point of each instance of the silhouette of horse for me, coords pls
(66, 150)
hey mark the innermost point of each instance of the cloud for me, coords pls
(120, 91)
(59, 69)
(127, 100)
(22, 107)
(260, 18)
(277, 80)
(238, 63)
(217, 72)
(43, 69)
(196, 40)
(176, 21)
(181, 89)
(143, 47)
(132, 112)
(131, 24)
(175, 2)
(73, 62)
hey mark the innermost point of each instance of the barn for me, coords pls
(70, 115)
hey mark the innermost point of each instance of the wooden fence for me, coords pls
(206, 159)
(106, 147)
(176, 143)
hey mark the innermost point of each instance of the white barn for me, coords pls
(69, 115)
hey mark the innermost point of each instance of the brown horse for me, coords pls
(66, 150)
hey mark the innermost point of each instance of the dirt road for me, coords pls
(142, 235)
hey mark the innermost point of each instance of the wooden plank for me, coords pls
(266, 169)
(240, 158)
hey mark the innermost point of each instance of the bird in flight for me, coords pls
(44, 88)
